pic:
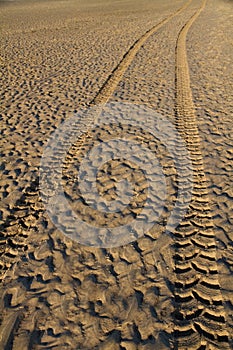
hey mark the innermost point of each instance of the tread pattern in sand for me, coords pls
(200, 315)
(113, 80)
(101, 98)
(200, 319)
(29, 200)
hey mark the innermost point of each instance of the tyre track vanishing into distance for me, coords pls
(15, 235)
(101, 98)
(200, 316)
(199, 312)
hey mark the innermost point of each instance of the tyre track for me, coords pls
(12, 246)
(101, 98)
(110, 85)
(199, 316)
(107, 89)
(114, 78)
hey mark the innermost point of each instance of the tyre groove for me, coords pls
(207, 315)
(102, 97)
(116, 75)
(201, 307)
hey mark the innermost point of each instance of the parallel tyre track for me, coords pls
(199, 316)
(101, 98)
(114, 78)
(12, 246)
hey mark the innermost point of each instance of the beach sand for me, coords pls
(170, 288)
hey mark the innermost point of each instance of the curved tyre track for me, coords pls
(101, 98)
(29, 199)
(200, 319)
(111, 83)
(199, 315)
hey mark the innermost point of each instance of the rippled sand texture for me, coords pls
(166, 290)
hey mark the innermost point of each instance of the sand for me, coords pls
(169, 289)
